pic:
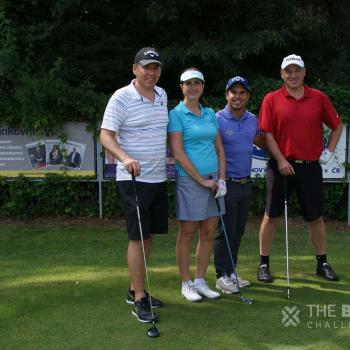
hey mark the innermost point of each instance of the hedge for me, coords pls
(62, 196)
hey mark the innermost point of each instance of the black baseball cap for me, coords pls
(148, 55)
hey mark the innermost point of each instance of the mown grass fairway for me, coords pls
(63, 286)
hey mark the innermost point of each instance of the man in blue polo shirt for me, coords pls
(239, 131)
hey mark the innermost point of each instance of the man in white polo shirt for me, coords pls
(134, 130)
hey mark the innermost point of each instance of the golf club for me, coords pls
(286, 230)
(244, 300)
(153, 331)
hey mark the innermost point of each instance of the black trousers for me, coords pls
(237, 203)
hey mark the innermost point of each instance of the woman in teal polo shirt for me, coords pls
(200, 172)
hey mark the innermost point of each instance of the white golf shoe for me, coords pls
(189, 292)
(226, 285)
(241, 281)
(203, 289)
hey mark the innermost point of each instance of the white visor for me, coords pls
(191, 74)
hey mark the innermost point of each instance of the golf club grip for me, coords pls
(216, 199)
(285, 193)
(133, 180)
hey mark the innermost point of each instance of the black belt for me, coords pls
(298, 161)
(242, 180)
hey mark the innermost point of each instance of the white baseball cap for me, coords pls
(292, 59)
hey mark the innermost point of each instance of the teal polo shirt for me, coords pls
(198, 135)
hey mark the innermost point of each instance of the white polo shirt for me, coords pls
(141, 128)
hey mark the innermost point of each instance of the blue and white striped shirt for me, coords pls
(141, 128)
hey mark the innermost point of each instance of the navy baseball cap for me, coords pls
(147, 55)
(238, 80)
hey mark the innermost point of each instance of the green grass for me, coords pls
(63, 286)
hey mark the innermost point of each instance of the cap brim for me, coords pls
(192, 74)
(292, 64)
(228, 87)
(146, 62)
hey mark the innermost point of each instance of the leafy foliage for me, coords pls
(61, 59)
(62, 196)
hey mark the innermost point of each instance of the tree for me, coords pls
(61, 59)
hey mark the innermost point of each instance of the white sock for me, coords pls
(198, 280)
(187, 282)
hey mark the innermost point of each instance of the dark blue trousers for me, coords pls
(237, 204)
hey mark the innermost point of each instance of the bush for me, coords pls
(63, 196)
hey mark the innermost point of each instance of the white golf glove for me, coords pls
(326, 155)
(221, 191)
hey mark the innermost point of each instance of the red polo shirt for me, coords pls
(297, 124)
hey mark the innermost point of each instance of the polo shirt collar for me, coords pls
(306, 91)
(184, 108)
(137, 96)
(229, 115)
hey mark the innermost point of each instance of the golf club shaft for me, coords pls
(228, 244)
(142, 243)
(286, 231)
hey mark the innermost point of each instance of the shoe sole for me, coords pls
(129, 302)
(204, 296)
(244, 285)
(227, 291)
(265, 281)
(192, 301)
(140, 320)
(328, 279)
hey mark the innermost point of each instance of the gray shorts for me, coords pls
(193, 202)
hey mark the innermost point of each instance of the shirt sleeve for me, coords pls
(265, 116)
(214, 118)
(114, 115)
(165, 97)
(330, 116)
(258, 131)
(175, 122)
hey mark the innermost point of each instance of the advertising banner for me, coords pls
(334, 170)
(22, 152)
(111, 165)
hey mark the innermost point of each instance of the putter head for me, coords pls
(153, 332)
(288, 293)
(247, 301)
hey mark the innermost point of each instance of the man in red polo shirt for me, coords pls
(291, 119)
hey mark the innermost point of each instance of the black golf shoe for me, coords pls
(263, 274)
(325, 270)
(130, 299)
(142, 311)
